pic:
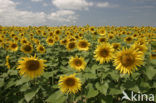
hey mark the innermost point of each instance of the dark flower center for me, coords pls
(127, 60)
(70, 82)
(27, 48)
(78, 62)
(83, 44)
(32, 65)
(71, 45)
(14, 45)
(104, 52)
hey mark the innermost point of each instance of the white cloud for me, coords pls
(72, 4)
(36, 0)
(45, 4)
(63, 15)
(9, 15)
(106, 5)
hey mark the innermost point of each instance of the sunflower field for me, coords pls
(76, 64)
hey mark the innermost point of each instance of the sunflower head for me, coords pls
(13, 46)
(44, 34)
(69, 84)
(104, 53)
(102, 40)
(71, 45)
(128, 39)
(64, 41)
(51, 34)
(80, 34)
(16, 38)
(116, 46)
(92, 29)
(102, 31)
(57, 32)
(153, 56)
(50, 41)
(56, 38)
(27, 48)
(111, 36)
(31, 66)
(127, 60)
(138, 47)
(83, 45)
(41, 49)
(24, 41)
(77, 63)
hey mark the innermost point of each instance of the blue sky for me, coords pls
(78, 12)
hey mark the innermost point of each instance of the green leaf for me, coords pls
(24, 87)
(91, 91)
(153, 62)
(107, 99)
(135, 88)
(30, 94)
(114, 91)
(102, 87)
(12, 72)
(150, 72)
(135, 75)
(2, 82)
(154, 85)
(57, 97)
(89, 76)
(10, 83)
(145, 85)
(22, 80)
(49, 74)
(115, 75)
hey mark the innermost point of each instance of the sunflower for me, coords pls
(77, 63)
(153, 56)
(12, 35)
(31, 66)
(135, 35)
(72, 39)
(16, 38)
(27, 48)
(141, 41)
(110, 36)
(92, 29)
(13, 46)
(129, 39)
(23, 41)
(141, 48)
(69, 84)
(102, 39)
(154, 51)
(51, 34)
(116, 46)
(7, 62)
(56, 38)
(64, 41)
(50, 41)
(1, 41)
(71, 45)
(101, 31)
(44, 34)
(83, 45)
(21, 34)
(104, 53)
(80, 34)
(57, 32)
(36, 41)
(127, 60)
(41, 49)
